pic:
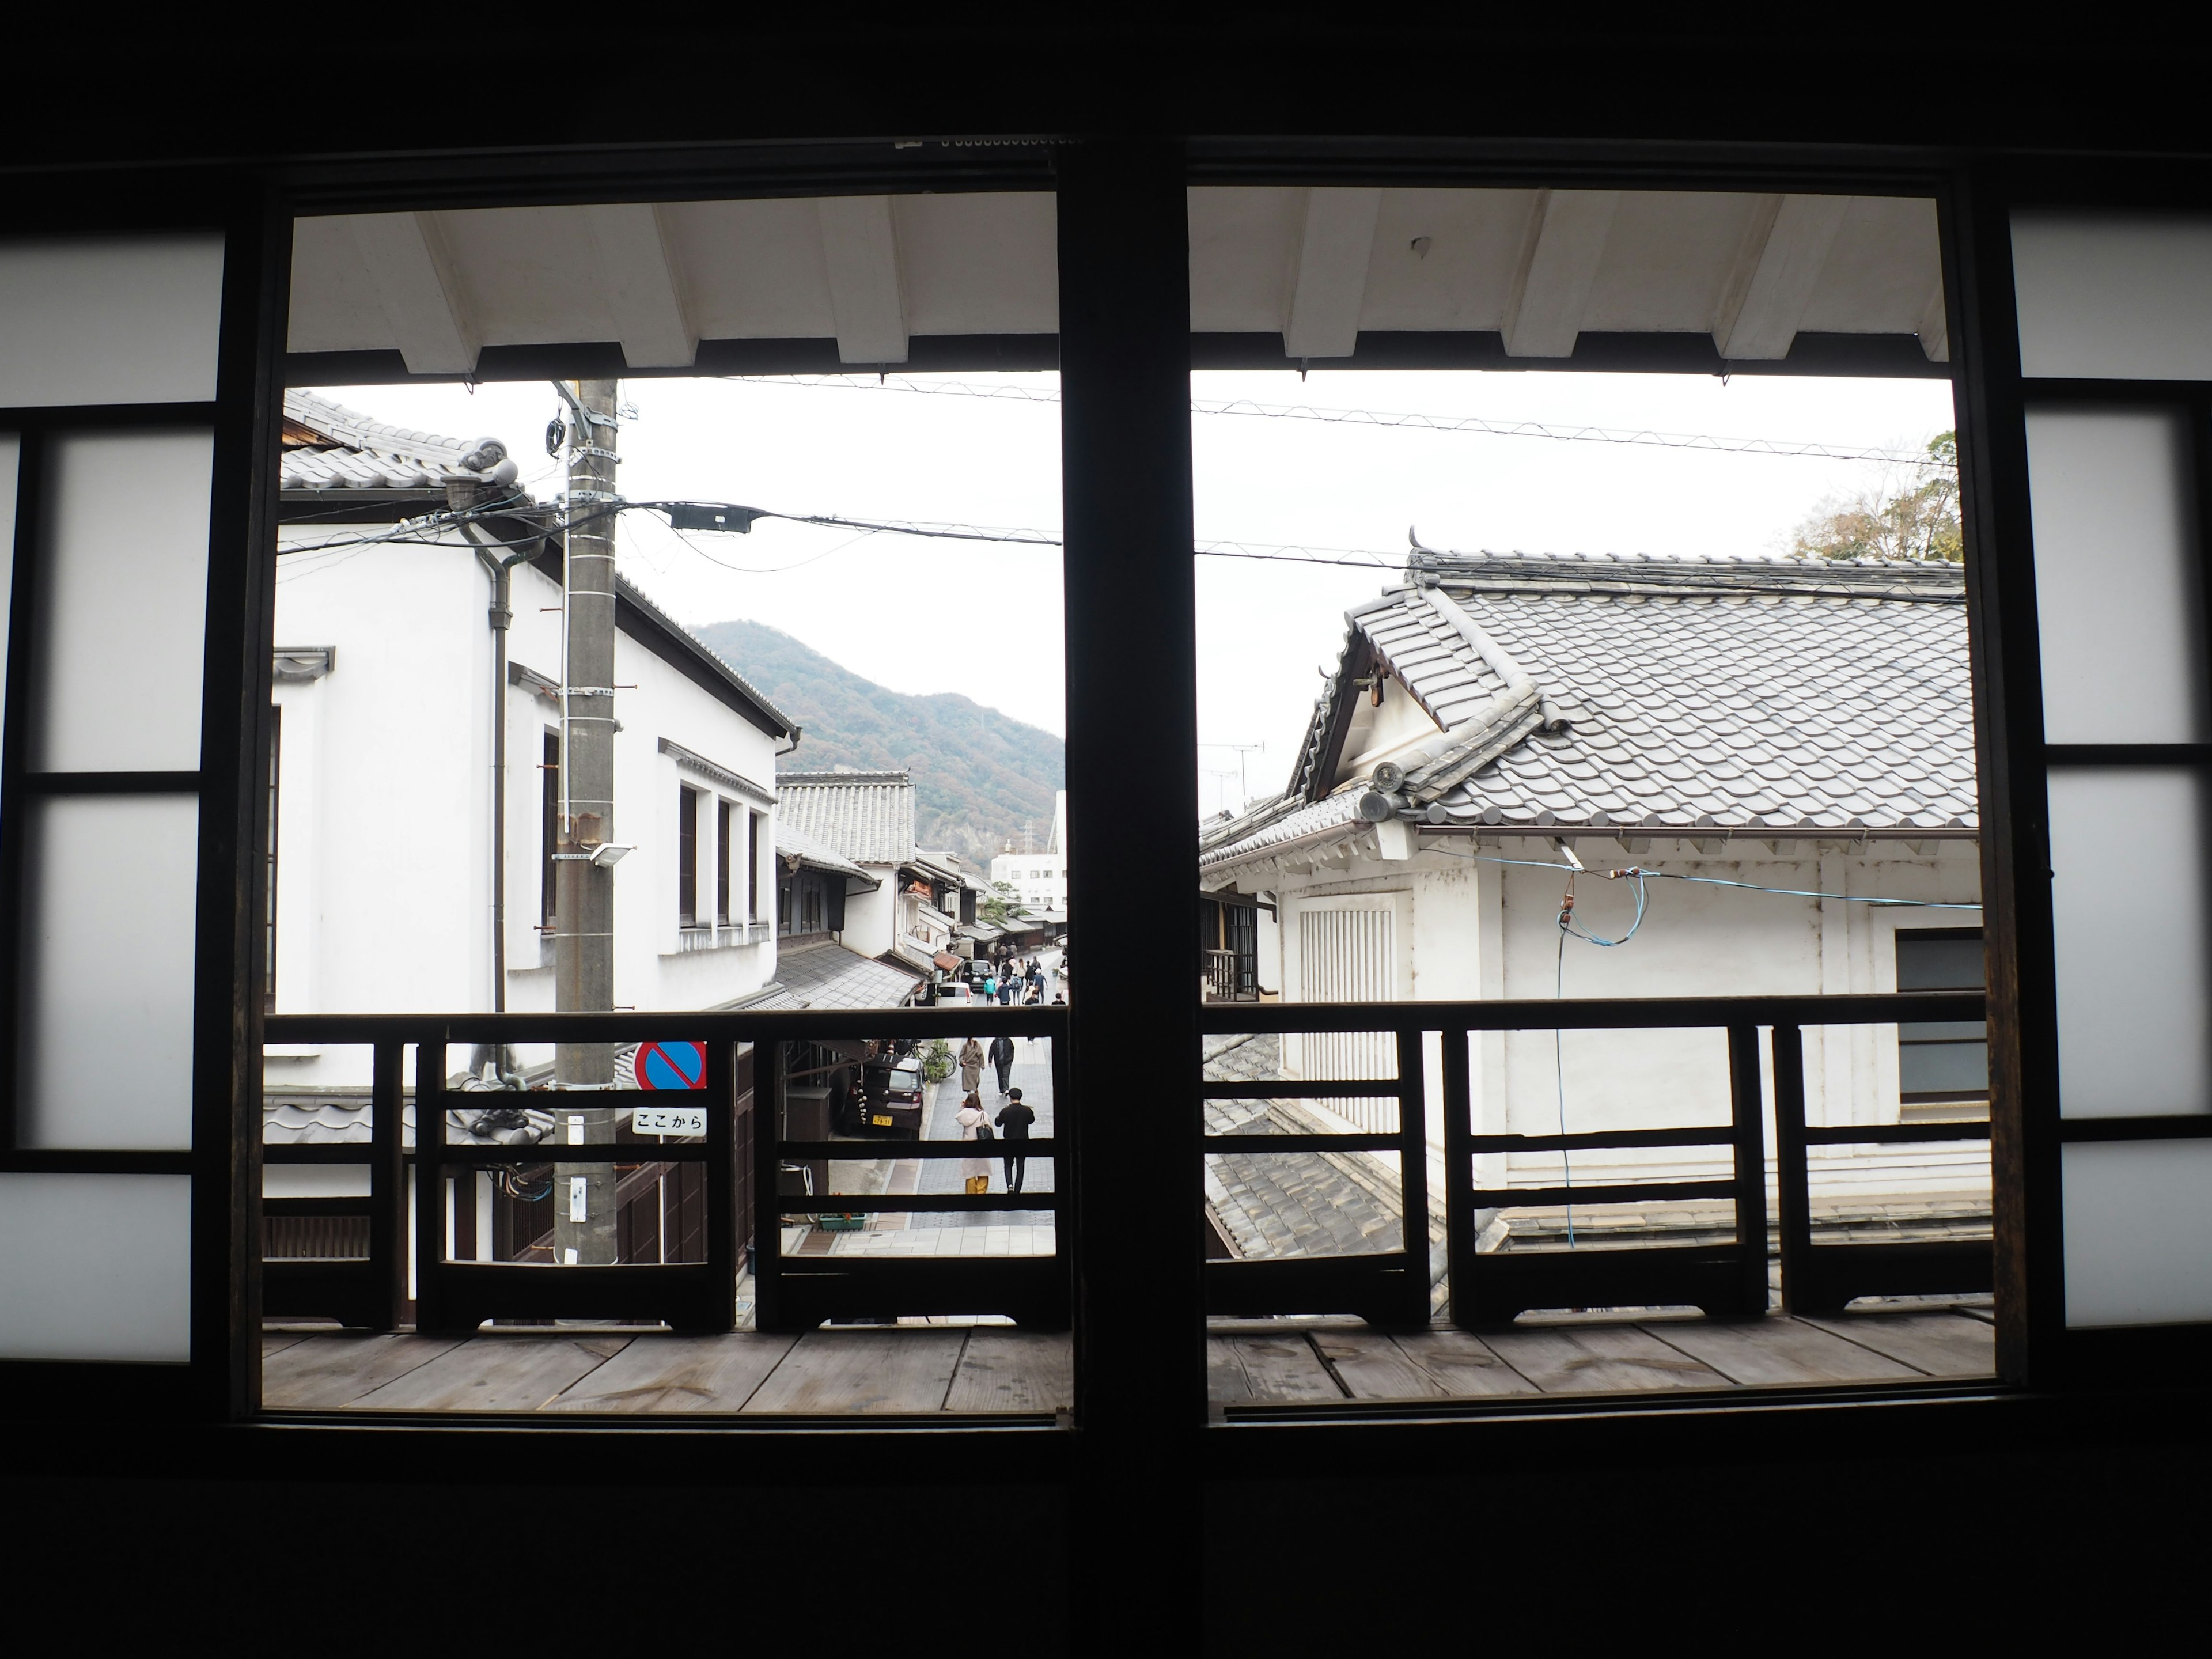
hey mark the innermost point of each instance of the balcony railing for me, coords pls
(1230, 978)
(1730, 1279)
(743, 1151)
(744, 1144)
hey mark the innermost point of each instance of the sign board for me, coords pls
(668, 1120)
(670, 1065)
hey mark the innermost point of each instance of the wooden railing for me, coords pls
(744, 1140)
(1730, 1279)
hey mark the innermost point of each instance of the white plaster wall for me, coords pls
(385, 857)
(872, 919)
(1481, 930)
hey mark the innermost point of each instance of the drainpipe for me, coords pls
(500, 616)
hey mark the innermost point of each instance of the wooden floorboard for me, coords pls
(679, 1374)
(1371, 1367)
(1253, 1368)
(324, 1373)
(1013, 1372)
(837, 1373)
(1433, 1364)
(1938, 1344)
(1777, 1353)
(277, 1341)
(499, 1373)
(1462, 1364)
(1600, 1358)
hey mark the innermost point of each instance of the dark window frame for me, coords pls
(1916, 1037)
(687, 856)
(1116, 428)
(276, 822)
(549, 830)
(723, 810)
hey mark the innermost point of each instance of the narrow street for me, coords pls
(1011, 1232)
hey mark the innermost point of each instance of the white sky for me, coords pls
(983, 619)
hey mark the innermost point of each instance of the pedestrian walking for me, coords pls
(1002, 1058)
(1014, 1120)
(975, 1125)
(971, 1066)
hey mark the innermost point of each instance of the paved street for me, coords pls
(1012, 1232)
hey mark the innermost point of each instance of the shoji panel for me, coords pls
(109, 319)
(2116, 498)
(95, 1267)
(2113, 296)
(107, 598)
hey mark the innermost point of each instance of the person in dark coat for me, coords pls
(1002, 1059)
(1013, 1120)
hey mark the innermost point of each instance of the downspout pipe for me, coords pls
(501, 616)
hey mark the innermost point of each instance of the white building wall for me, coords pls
(1040, 879)
(385, 851)
(1485, 931)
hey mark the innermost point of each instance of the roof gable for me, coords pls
(1662, 694)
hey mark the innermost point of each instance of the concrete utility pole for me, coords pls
(584, 890)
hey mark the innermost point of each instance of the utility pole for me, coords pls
(584, 887)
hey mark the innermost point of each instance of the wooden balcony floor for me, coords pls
(908, 1369)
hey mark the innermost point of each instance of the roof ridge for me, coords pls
(351, 427)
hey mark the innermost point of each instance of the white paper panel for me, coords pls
(95, 1267)
(125, 320)
(2138, 1222)
(123, 599)
(11, 450)
(106, 1027)
(2118, 588)
(2128, 905)
(2114, 296)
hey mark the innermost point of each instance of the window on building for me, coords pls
(687, 856)
(1947, 1062)
(722, 862)
(549, 826)
(752, 866)
(269, 940)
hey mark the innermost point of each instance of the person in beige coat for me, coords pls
(971, 1066)
(974, 1172)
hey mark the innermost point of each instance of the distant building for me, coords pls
(1039, 879)
(913, 911)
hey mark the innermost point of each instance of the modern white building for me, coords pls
(410, 767)
(1778, 743)
(1039, 879)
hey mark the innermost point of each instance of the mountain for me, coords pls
(980, 777)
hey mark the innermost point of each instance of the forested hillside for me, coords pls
(980, 776)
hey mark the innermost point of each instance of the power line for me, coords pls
(1638, 437)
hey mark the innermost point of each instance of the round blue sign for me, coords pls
(670, 1065)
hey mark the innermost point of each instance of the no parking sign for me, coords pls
(670, 1065)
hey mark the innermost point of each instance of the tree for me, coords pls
(1000, 905)
(1910, 513)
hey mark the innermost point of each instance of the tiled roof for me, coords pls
(1665, 695)
(827, 976)
(866, 816)
(797, 844)
(1275, 1204)
(330, 447)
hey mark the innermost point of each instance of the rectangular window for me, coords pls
(752, 866)
(549, 826)
(1946, 1061)
(687, 857)
(722, 862)
(269, 922)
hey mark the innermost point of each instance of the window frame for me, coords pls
(687, 856)
(1116, 339)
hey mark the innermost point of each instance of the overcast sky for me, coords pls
(927, 616)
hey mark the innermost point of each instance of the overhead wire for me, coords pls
(1640, 437)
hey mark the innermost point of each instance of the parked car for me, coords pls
(891, 1098)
